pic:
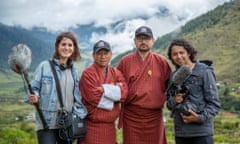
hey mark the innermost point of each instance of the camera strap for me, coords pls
(57, 83)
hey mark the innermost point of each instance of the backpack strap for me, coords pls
(207, 62)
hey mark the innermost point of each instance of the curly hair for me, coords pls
(76, 54)
(187, 46)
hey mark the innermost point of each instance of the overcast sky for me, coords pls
(58, 15)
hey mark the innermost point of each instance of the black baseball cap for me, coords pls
(144, 30)
(101, 44)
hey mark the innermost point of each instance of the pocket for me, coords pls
(47, 84)
(194, 85)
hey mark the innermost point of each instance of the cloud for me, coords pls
(62, 14)
(162, 16)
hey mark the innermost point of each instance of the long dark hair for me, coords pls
(76, 54)
(187, 46)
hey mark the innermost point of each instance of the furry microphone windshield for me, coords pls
(20, 58)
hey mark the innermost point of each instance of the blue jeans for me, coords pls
(194, 140)
(50, 137)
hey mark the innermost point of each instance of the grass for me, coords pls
(226, 129)
(226, 124)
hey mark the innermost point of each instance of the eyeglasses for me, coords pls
(141, 39)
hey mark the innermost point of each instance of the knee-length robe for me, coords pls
(100, 123)
(142, 118)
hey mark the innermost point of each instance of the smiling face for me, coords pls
(65, 48)
(181, 51)
(180, 56)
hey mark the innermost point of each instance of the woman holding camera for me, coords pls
(193, 125)
(45, 93)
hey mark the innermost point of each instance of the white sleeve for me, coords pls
(112, 92)
(105, 103)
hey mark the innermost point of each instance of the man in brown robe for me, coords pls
(146, 74)
(103, 88)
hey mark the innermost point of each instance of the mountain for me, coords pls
(84, 33)
(39, 41)
(215, 36)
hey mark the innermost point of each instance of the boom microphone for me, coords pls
(20, 58)
(181, 74)
(177, 86)
(19, 61)
(179, 77)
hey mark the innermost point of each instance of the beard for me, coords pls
(143, 48)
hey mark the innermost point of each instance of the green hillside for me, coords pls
(216, 37)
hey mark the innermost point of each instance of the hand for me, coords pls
(193, 117)
(119, 84)
(33, 98)
(100, 89)
(179, 98)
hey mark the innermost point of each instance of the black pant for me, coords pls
(50, 137)
(194, 140)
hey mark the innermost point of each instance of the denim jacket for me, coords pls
(203, 93)
(43, 84)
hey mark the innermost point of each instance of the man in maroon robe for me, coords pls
(146, 74)
(103, 88)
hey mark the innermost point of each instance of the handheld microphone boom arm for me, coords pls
(19, 61)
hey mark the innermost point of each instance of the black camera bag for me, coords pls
(71, 126)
